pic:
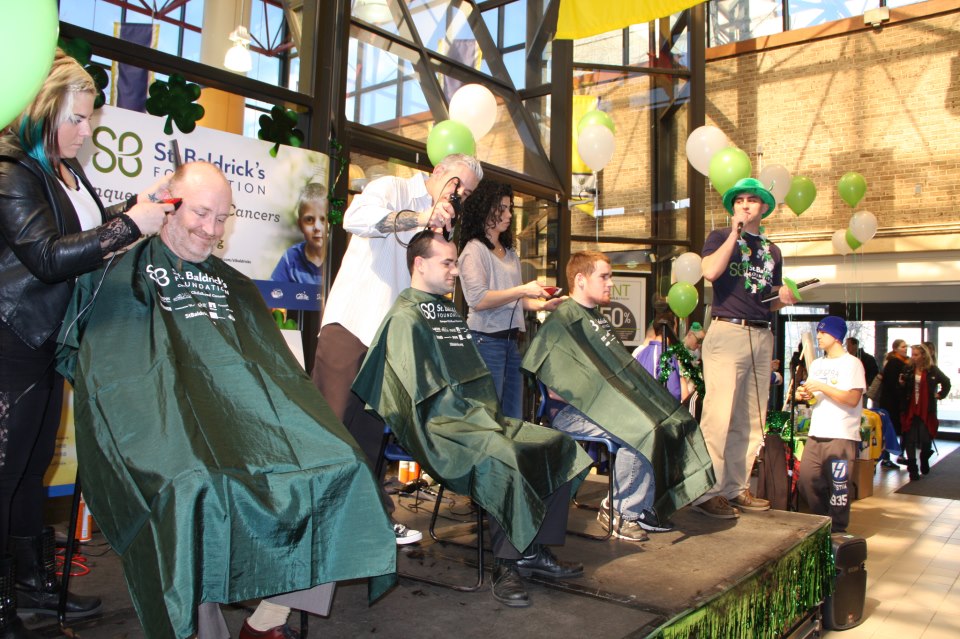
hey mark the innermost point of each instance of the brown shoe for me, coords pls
(746, 501)
(717, 507)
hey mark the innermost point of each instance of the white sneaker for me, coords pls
(406, 535)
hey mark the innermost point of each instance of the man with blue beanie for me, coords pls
(834, 386)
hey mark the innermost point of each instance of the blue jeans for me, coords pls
(502, 357)
(633, 487)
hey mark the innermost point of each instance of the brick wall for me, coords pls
(884, 103)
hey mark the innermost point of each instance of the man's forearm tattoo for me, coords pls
(399, 221)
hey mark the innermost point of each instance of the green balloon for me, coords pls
(801, 195)
(449, 137)
(727, 167)
(596, 117)
(852, 187)
(682, 298)
(853, 242)
(28, 41)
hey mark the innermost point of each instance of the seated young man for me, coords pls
(213, 466)
(576, 355)
(424, 377)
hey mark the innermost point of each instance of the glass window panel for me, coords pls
(414, 102)
(736, 20)
(443, 28)
(893, 4)
(539, 109)
(78, 12)
(606, 48)
(515, 62)
(194, 12)
(491, 18)
(514, 24)
(191, 46)
(808, 13)
(638, 37)
(169, 38)
(378, 106)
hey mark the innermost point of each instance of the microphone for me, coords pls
(739, 228)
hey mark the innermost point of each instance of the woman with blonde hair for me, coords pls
(923, 384)
(53, 228)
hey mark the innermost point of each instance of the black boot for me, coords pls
(10, 625)
(925, 461)
(38, 589)
(912, 467)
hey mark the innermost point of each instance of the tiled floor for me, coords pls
(913, 561)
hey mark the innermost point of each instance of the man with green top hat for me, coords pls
(745, 268)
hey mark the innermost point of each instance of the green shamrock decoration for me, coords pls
(279, 127)
(175, 99)
(81, 51)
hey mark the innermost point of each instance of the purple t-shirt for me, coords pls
(730, 298)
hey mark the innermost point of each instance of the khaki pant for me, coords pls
(736, 372)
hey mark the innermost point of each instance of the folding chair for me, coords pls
(586, 441)
(390, 450)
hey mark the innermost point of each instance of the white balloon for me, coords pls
(777, 179)
(840, 242)
(702, 143)
(596, 144)
(688, 268)
(863, 226)
(474, 106)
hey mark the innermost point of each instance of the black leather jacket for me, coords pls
(42, 247)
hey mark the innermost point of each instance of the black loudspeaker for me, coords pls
(844, 608)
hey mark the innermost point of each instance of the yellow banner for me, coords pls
(585, 18)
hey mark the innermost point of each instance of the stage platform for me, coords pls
(751, 577)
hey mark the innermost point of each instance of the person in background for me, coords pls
(490, 273)
(922, 385)
(835, 384)
(869, 362)
(303, 262)
(891, 394)
(53, 228)
(650, 352)
(382, 219)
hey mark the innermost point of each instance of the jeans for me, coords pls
(502, 357)
(633, 481)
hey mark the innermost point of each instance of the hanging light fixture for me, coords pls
(372, 11)
(238, 56)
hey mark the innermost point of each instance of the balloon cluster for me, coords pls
(682, 296)
(473, 112)
(711, 153)
(863, 224)
(595, 139)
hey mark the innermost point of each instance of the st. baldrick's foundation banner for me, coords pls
(129, 151)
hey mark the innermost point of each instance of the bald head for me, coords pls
(195, 228)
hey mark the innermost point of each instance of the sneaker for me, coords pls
(717, 507)
(406, 535)
(886, 463)
(746, 501)
(649, 521)
(622, 529)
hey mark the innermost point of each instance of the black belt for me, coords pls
(744, 322)
(510, 333)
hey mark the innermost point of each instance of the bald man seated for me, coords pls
(213, 466)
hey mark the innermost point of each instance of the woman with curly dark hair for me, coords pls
(490, 272)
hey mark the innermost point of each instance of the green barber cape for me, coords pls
(576, 354)
(213, 466)
(424, 377)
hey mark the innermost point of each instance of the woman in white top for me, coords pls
(492, 286)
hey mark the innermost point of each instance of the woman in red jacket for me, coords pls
(923, 384)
